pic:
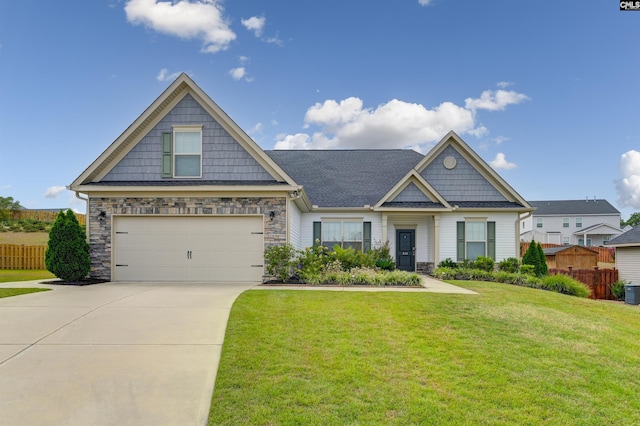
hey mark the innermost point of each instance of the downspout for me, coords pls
(86, 200)
(518, 220)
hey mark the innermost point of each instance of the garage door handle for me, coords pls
(189, 254)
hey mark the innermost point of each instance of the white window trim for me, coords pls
(179, 129)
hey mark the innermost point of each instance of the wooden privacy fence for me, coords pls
(605, 254)
(598, 280)
(19, 256)
(43, 216)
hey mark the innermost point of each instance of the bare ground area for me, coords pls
(26, 238)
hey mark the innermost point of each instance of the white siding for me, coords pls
(505, 233)
(295, 226)
(552, 225)
(309, 218)
(628, 263)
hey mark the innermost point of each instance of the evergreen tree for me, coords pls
(67, 255)
(530, 256)
(542, 269)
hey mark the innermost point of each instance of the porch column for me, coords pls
(436, 240)
(385, 238)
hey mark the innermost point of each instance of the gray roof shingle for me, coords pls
(632, 236)
(572, 207)
(346, 178)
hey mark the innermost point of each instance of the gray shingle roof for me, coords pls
(185, 182)
(632, 236)
(346, 178)
(572, 207)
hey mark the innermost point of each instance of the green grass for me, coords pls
(8, 292)
(12, 275)
(509, 355)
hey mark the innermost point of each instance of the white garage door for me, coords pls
(170, 248)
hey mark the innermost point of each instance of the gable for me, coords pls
(223, 159)
(465, 180)
(229, 156)
(411, 193)
(462, 182)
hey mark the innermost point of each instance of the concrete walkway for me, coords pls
(121, 353)
(112, 354)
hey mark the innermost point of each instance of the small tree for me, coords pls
(530, 256)
(67, 255)
(7, 206)
(542, 269)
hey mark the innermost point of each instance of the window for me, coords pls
(565, 240)
(539, 222)
(476, 238)
(581, 242)
(187, 152)
(578, 222)
(345, 233)
(565, 222)
(605, 238)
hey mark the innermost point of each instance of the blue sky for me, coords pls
(546, 92)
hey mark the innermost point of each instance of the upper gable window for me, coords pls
(187, 151)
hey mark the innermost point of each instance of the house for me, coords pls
(577, 257)
(184, 194)
(627, 255)
(580, 222)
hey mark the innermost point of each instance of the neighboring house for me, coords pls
(628, 255)
(576, 222)
(184, 194)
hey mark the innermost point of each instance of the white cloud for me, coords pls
(395, 124)
(186, 19)
(500, 139)
(503, 84)
(54, 191)
(255, 24)
(164, 75)
(500, 162)
(495, 100)
(7, 186)
(237, 73)
(424, 2)
(628, 187)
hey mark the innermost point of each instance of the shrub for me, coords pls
(67, 255)
(617, 289)
(381, 251)
(386, 264)
(542, 270)
(484, 263)
(531, 256)
(280, 261)
(448, 263)
(565, 285)
(510, 264)
(527, 269)
(311, 263)
(350, 257)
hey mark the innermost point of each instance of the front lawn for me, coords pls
(509, 355)
(8, 292)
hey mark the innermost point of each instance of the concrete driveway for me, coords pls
(112, 354)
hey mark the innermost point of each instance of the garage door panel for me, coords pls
(174, 248)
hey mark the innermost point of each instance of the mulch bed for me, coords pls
(86, 281)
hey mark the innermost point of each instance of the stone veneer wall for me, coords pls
(275, 232)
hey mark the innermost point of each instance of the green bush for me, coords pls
(67, 255)
(565, 285)
(311, 263)
(484, 263)
(510, 264)
(542, 270)
(559, 283)
(527, 269)
(280, 261)
(386, 264)
(448, 263)
(617, 289)
(351, 258)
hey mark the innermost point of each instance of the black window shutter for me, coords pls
(167, 157)
(366, 236)
(460, 241)
(491, 240)
(317, 233)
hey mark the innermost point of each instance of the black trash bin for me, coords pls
(632, 294)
